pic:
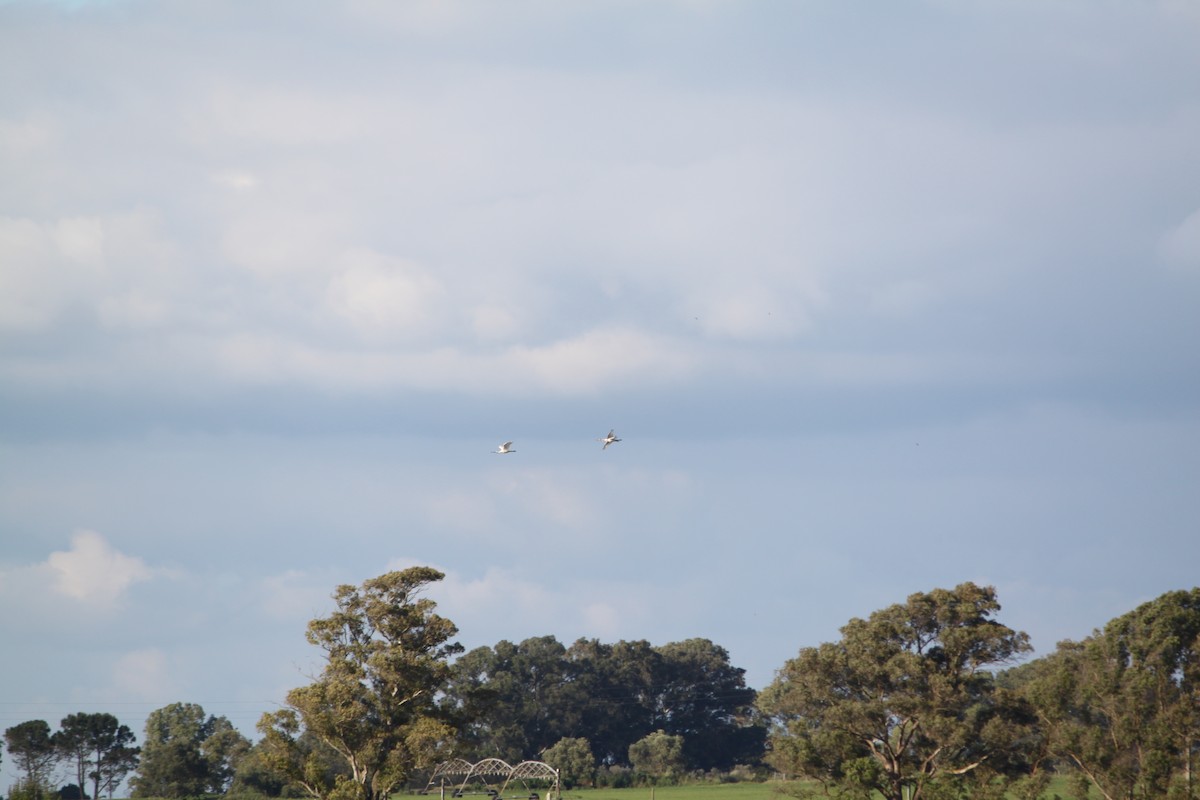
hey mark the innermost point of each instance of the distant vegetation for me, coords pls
(920, 701)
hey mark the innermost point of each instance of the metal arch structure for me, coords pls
(489, 768)
(535, 771)
(459, 774)
(448, 772)
(453, 768)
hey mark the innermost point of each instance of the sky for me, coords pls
(880, 298)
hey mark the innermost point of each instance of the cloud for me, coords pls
(531, 598)
(294, 595)
(578, 365)
(44, 266)
(237, 180)
(601, 620)
(93, 572)
(118, 269)
(143, 675)
(385, 299)
(1180, 247)
(601, 358)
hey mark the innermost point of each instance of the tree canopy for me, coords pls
(908, 704)
(99, 749)
(903, 704)
(34, 752)
(513, 701)
(187, 754)
(386, 657)
(1123, 706)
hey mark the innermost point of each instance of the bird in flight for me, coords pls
(610, 439)
(504, 449)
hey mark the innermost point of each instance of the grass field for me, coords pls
(697, 791)
(725, 791)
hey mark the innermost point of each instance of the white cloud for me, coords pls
(43, 265)
(285, 114)
(93, 572)
(294, 595)
(753, 311)
(599, 359)
(143, 675)
(601, 620)
(385, 299)
(19, 140)
(500, 600)
(1180, 247)
(119, 267)
(580, 365)
(494, 322)
(284, 236)
(237, 180)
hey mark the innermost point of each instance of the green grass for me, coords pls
(726, 791)
(694, 791)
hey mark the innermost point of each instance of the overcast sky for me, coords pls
(880, 297)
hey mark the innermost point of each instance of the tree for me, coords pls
(614, 686)
(903, 704)
(263, 772)
(115, 763)
(574, 761)
(98, 747)
(659, 755)
(32, 748)
(187, 754)
(512, 701)
(298, 758)
(1123, 706)
(703, 698)
(73, 748)
(386, 656)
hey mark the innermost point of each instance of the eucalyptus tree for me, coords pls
(904, 704)
(1123, 705)
(386, 657)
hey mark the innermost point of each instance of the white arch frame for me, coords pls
(493, 768)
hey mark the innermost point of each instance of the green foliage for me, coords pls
(34, 751)
(512, 699)
(386, 655)
(187, 754)
(515, 700)
(30, 789)
(908, 691)
(658, 756)
(574, 761)
(703, 698)
(99, 748)
(1123, 706)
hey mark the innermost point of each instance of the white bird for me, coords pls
(611, 438)
(504, 449)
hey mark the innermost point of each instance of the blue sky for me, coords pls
(879, 298)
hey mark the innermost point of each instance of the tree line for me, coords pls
(923, 700)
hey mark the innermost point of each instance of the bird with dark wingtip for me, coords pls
(610, 439)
